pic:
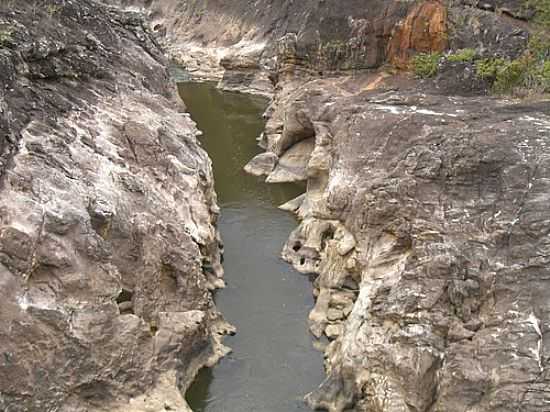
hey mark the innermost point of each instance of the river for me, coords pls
(273, 363)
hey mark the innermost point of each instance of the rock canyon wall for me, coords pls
(108, 242)
(425, 216)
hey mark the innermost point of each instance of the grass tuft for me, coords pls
(426, 65)
(6, 37)
(542, 11)
(462, 56)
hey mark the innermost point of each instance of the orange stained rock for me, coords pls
(376, 83)
(423, 30)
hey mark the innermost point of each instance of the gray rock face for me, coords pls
(108, 240)
(424, 216)
(292, 166)
(251, 46)
(242, 43)
(426, 231)
(262, 165)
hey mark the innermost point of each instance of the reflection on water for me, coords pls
(198, 395)
(231, 122)
(273, 364)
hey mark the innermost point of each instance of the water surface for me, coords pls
(273, 363)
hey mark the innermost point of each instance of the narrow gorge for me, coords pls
(273, 362)
(409, 139)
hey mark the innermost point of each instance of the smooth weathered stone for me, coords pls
(334, 330)
(262, 165)
(441, 197)
(335, 314)
(294, 204)
(292, 165)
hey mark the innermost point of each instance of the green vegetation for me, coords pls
(510, 75)
(488, 68)
(426, 65)
(6, 37)
(539, 46)
(538, 73)
(542, 10)
(528, 73)
(462, 56)
(537, 77)
(53, 9)
(531, 71)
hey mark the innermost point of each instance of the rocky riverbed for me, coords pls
(425, 217)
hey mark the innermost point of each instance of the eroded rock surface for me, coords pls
(425, 224)
(253, 45)
(424, 216)
(108, 240)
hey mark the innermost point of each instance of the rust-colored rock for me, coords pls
(423, 30)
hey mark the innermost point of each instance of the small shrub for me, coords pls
(488, 69)
(510, 75)
(545, 76)
(529, 73)
(6, 37)
(426, 65)
(546, 71)
(53, 9)
(525, 73)
(462, 56)
(537, 77)
(542, 11)
(539, 46)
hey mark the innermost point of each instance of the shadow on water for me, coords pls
(198, 395)
(274, 363)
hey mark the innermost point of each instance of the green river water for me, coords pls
(273, 363)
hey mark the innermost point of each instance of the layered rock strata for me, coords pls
(108, 240)
(252, 46)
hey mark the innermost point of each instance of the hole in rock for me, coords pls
(327, 235)
(124, 300)
(125, 295)
(297, 246)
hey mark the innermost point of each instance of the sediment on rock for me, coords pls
(108, 239)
